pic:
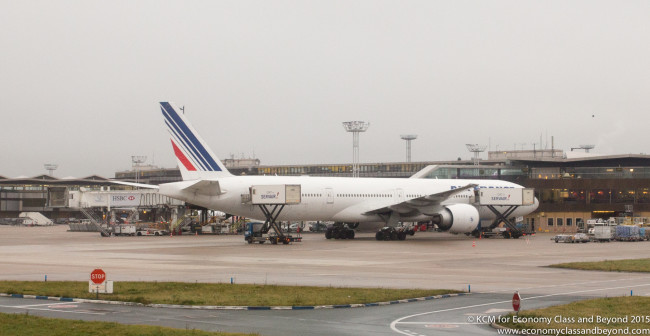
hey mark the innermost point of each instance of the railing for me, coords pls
(95, 221)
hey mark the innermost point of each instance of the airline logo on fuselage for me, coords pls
(270, 195)
(501, 198)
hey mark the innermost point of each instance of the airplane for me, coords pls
(347, 201)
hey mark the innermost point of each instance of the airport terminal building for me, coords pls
(570, 190)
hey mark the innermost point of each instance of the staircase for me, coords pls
(181, 223)
(95, 221)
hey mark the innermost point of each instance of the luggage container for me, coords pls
(627, 233)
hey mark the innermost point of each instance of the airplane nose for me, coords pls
(536, 204)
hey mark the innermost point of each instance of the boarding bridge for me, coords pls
(109, 199)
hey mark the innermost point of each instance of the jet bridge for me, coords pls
(508, 198)
(272, 199)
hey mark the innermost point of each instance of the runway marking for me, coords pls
(44, 304)
(570, 284)
(398, 321)
(49, 305)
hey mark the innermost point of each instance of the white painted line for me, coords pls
(54, 310)
(398, 321)
(45, 304)
(440, 323)
(569, 284)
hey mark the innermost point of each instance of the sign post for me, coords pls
(98, 283)
(516, 302)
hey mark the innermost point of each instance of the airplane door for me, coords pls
(330, 195)
(399, 195)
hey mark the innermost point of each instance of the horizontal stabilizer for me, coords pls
(139, 185)
(206, 187)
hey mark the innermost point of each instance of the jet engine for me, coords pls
(458, 218)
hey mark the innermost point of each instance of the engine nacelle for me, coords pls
(458, 218)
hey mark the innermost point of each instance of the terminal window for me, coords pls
(559, 222)
(550, 222)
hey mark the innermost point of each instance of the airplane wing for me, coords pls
(427, 205)
(139, 185)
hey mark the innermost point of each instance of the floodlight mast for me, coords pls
(476, 149)
(585, 147)
(355, 127)
(408, 138)
(51, 167)
(137, 160)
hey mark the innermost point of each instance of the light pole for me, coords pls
(137, 160)
(51, 167)
(355, 127)
(476, 149)
(408, 138)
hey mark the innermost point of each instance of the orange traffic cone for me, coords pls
(474, 244)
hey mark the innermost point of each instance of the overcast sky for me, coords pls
(80, 81)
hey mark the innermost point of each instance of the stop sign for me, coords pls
(516, 302)
(98, 276)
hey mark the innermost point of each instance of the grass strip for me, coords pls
(215, 294)
(27, 325)
(625, 265)
(631, 312)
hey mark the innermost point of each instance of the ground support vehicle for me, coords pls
(124, 230)
(602, 233)
(514, 231)
(627, 233)
(563, 238)
(151, 232)
(580, 238)
(255, 233)
(393, 233)
(339, 231)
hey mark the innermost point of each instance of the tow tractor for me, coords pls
(254, 234)
(394, 233)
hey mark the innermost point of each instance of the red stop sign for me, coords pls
(516, 302)
(98, 276)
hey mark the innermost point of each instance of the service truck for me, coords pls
(255, 233)
(124, 230)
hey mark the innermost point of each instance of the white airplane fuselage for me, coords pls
(339, 199)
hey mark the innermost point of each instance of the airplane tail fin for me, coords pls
(195, 159)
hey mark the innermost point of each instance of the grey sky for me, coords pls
(80, 80)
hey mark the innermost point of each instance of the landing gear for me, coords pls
(339, 231)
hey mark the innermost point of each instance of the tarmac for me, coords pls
(426, 260)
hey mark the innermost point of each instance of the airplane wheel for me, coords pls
(379, 235)
(401, 236)
(328, 234)
(350, 234)
(393, 236)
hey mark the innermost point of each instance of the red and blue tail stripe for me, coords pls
(188, 147)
